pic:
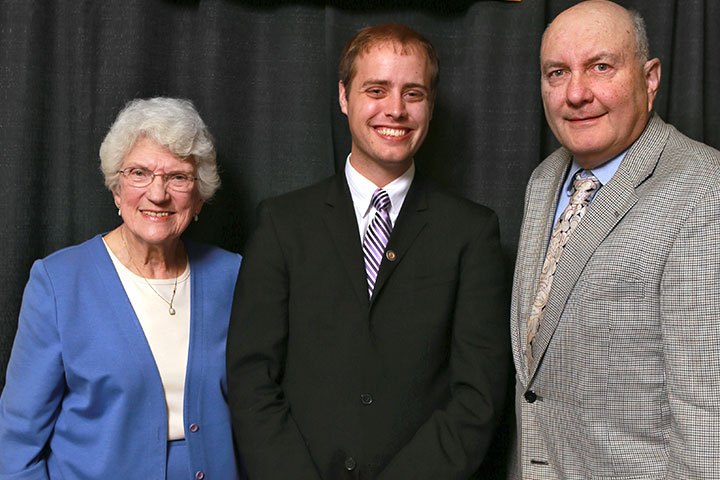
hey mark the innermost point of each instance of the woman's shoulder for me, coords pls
(71, 267)
(76, 255)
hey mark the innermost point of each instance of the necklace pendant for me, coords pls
(172, 311)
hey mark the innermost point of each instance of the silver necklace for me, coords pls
(171, 310)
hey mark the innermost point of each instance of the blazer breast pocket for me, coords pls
(430, 279)
(603, 306)
(609, 287)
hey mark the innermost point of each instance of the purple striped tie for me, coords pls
(377, 236)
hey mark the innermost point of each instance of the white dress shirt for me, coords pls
(362, 189)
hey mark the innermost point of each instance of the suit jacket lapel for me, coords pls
(339, 216)
(538, 223)
(610, 205)
(410, 222)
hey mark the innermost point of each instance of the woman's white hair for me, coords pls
(173, 124)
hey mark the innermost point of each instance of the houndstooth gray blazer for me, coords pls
(626, 377)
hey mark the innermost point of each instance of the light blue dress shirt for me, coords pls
(603, 173)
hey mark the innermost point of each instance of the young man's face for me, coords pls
(388, 105)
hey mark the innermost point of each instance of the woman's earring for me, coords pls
(196, 218)
(119, 213)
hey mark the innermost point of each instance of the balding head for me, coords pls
(598, 86)
(633, 20)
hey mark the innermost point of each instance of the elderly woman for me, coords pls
(118, 366)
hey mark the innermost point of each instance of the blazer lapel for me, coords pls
(410, 222)
(537, 225)
(339, 216)
(610, 205)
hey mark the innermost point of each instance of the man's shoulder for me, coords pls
(557, 161)
(683, 164)
(674, 151)
(691, 153)
(301, 197)
(547, 175)
(445, 202)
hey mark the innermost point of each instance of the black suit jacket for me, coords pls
(325, 383)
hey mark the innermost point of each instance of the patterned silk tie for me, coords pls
(583, 190)
(377, 236)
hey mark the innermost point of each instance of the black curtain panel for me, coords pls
(263, 76)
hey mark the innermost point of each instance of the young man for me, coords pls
(368, 334)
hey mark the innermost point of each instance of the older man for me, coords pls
(616, 299)
(368, 337)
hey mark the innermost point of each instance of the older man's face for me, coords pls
(388, 106)
(596, 93)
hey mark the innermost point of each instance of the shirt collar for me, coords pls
(602, 172)
(362, 189)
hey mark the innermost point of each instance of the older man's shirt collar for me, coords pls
(602, 172)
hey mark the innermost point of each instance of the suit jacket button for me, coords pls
(366, 399)
(194, 427)
(390, 255)
(530, 396)
(199, 475)
(350, 464)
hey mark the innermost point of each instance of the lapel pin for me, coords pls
(390, 255)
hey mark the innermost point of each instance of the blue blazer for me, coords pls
(83, 397)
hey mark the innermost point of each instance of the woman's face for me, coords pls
(156, 214)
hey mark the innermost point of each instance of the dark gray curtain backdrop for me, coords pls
(263, 76)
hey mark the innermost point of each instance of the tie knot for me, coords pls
(380, 200)
(584, 187)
